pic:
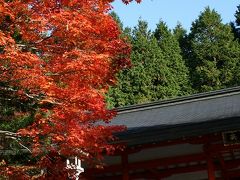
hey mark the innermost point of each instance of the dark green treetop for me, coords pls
(236, 25)
(178, 75)
(181, 35)
(213, 54)
(237, 16)
(179, 32)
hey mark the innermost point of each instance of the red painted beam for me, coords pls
(194, 168)
(213, 150)
(190, 140)
(234, 174)
(153, 163)
(217, 148)
(180, 170)
(169, 172)
(168, 161)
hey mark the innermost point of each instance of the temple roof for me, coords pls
(195, 115)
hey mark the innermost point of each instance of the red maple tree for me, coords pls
(62, 55)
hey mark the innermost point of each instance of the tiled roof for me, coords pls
(176, 118)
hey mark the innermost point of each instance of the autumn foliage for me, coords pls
(60, 56)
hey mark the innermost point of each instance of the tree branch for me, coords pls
(14, 136)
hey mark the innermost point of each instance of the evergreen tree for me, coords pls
(134, 84)
(213, 55)
(179, 32)
(237, 16)
(178, 75)
(157, 73)
(181, 35)
(125, 31)
(236, 25)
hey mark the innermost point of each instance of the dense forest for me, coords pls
(168, 63)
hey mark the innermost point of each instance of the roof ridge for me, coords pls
(180, 100)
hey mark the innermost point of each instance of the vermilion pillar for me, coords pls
(210, 163)
(211, 168)
(223, 167)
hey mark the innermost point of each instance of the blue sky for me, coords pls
(172, 11)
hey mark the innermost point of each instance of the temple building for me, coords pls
(187, 138)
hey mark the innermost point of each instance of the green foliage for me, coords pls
(157, 72)
(213, 55)
(15, 124)
(181, 35)
(15, 112)
(179, 32)
(237, 16)
(178, 76)
(134, 84)
(13, 119)
(236, 25)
